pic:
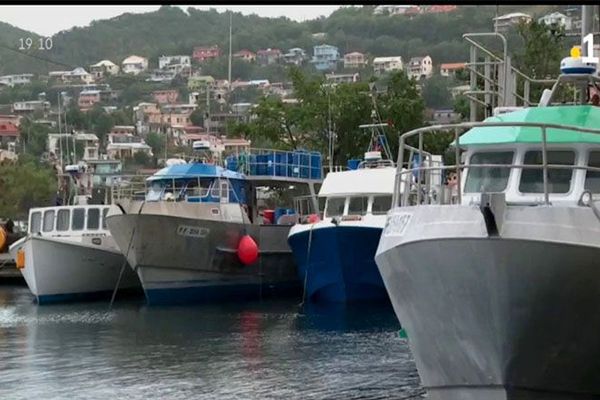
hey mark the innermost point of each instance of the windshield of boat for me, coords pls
(488, 179)
(334, 207)
(178, 188)
(559, 180)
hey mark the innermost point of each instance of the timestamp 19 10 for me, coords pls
(39, 43)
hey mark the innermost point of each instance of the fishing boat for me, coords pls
(497, 287)
(189, 230)
(335, 255)
(68, 253)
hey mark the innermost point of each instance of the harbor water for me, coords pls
(260, 350)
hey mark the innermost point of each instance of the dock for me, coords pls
(8, 269)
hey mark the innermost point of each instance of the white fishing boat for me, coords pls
(498, 287)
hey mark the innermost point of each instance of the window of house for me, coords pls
(62, 220)
(36, 222)
(488, 179)
(559, 180)
(48, 221)
(334, 207)
(78, 219)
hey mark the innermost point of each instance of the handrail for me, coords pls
(458, 166)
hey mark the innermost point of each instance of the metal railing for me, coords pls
(421, 189)
(277, 163)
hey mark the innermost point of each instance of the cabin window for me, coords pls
(48, 220)
(559, 180)
(93, 218)
(381, 205)
(78, 219)
(104, 213)
(62, 220)
(36, 222)
(592, 178)
(334, 207)
(358, 205)
(488, 179)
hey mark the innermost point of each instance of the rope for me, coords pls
(112, 300)
(307, 264)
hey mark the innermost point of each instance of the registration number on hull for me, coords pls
(192, 231)
(396, 224)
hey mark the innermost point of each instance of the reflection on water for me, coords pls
(268, 350)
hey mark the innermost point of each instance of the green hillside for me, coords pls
(172, 30)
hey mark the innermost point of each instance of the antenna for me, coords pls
(331, 141)
(230, 46)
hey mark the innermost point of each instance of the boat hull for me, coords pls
(340, 266)
(63, 271)
(188, 260)
(498, 317)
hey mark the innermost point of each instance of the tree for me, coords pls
(197, 117)
(34, 138)
(436, 93)
(157, 142)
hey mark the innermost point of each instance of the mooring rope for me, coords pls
(307, 264)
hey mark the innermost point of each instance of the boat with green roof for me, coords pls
(497, 283)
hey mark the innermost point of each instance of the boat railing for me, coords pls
(131, 187)
(257, 162)
(417, 177)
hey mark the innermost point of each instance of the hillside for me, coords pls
(172, 30)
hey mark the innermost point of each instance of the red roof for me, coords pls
(8, 129)
(453, 66)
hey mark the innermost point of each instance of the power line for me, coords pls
(37, 57)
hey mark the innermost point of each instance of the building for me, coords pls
(125, 145)
(134, 65)
(90, 142)
(245, 55)
(506, 21)
(217, 123)
(9, 133)
(200, 82)
(13, 80)
(78, 76)
(165, 96)
(11, 119)
(268, 56)
(420, 67)
(148, 117)
(161, 75)
(89, 98)
(296, 56)
(325, 57)
(383, 65)
(354, 60)
(438, 9)
(444, 116)
(91, 145)
(319, 36)
(458, 90)
(558, 19)
(202, 53)
(103, 68)
(342, 78)
(175, 64)
(397, 9)
(123, 130)
(449, 69)
(235, 145)
(24, 107)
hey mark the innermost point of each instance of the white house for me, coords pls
(134, 65)
(174, 63)
(78, 75)
(12, 80)
(354, 60)
(420, 67)
(342, 78)
(125, 145)
(104, 67)
(387, 64)
(504, 22)
(396, 9)
(557, 18)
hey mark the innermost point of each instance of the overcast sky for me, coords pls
(48, 20)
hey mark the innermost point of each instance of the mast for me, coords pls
(230, 47)
(330, 131)
(60, 133)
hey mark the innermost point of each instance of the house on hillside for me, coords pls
(134, 65)
(449, 69)
(176, 64)
(200, 81)
(89, 98)
(26, 107)
(165, 96)
(203, 53)
(78, 76)
(504, 22)
(439, 9)
(295, 56)
(396, 9)
(13, 80)
(125, 145)
(102, 68)
(383, 65)
(558, 19)
(9, 133)
(245, 55)
(161, 75)
(354, 60)
(268, 56)
(342, 78)
(325, 57)
(420, 67)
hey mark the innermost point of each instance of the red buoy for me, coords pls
(313, 218)
(247, 250)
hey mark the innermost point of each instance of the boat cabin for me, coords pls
(65, 221)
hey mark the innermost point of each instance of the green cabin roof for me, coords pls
(584, 116)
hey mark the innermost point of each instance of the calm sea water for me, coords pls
(262, 350)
